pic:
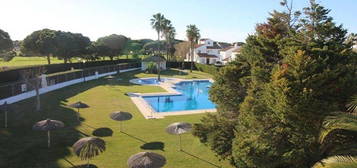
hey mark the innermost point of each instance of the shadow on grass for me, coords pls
(134, 137)
(21, 147)
(153, 146)
(103, 132)
(201, 159)
(85, 166)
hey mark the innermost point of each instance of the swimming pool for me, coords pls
(149, 81)
(194, 97)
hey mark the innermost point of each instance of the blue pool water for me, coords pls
(194, 97)
(151, 81)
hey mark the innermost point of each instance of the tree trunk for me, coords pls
(49, 59)
(65, 60)
(158, 71)
(158, 41)
(191, 57)
(111, 58)
(48, 139)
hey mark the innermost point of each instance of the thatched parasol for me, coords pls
(89, 147)
(48, 125)
(179, 128)
(146, 160)
(110, 77)
(120, 116)
(78, 105)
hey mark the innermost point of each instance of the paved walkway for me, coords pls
(148, 112)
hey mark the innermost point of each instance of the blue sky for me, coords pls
(221, 20)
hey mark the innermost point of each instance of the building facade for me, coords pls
(208, 51)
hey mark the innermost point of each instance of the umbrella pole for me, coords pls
(78, 114)
(121, 126)
(180, 142)
(87, 163)
(5, 119)
(48, 139)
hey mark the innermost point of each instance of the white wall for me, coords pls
(43, 90)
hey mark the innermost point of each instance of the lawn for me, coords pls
(24, 61)
(20, 146)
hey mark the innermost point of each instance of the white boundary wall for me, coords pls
(43, 90)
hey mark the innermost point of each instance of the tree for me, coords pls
(157, 23)
(169, 33)
(281, 96)
(32, 78)
(133, 47)
(5, 42)
(69, 45)
(181, 50)
(193, 35)
(42, 42)
(111, 45)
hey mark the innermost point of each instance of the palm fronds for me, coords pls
(338, 121)
(352, 106)
(337, 162)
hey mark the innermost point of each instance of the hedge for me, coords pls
(211, 69)
(13, 74)
(187, 65)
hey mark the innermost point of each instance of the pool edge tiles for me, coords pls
(148, 112)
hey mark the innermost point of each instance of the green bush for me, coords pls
(211, 69)
(151, 67)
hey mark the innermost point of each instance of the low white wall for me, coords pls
(43, 90)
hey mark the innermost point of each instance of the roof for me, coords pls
(205, 55)
(204, 39)
(154, 58)
(214, 47)
(227, 48)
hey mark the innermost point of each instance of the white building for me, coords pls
(206, 52)
(230, 53)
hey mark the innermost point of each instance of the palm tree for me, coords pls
(193, 34)
(337, 141)
(352, 106)
(157, 24)
(168, 33)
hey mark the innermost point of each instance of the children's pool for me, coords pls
(150, 81)
(194, 97)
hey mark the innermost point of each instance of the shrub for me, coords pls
(211, 69)
(151, 67)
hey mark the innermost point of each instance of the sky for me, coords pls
(220, 20)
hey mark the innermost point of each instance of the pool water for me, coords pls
(194, 97)
(151, 81)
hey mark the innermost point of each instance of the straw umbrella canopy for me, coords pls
(89, 147)
(146, 160)
(78, 105)
(5, 108)
(120, 116)
(179, 128)
(110, 77)
(48, 125)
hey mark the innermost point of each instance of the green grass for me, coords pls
(20, 146)
(25, 61)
